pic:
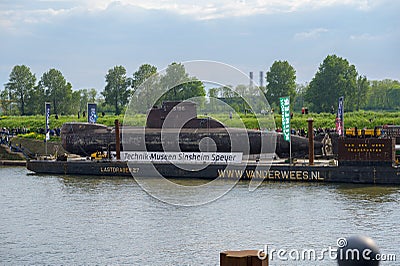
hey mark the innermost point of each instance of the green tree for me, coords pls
(85, 96)
(234, 97)
(20, 86)
(179, 85)
(214, 92)
(116, 92)
(335, 77)
(173, 81)
(145, 88)
(361, 92)
(57, 90)
(37, 100)
(383, 95)
(144, 72)
(76, 98)
(281, 82)
(6, 102)
(243, 90)
(298, 102)
(227, 92)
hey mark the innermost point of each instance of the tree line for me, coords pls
(23, 94)
(334, 78)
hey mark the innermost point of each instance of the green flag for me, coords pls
(285, 109)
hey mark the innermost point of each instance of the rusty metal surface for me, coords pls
(84, 139)
(310, 141)
(177, 122)
(178, 113)
(369, 149)
(117, 140)
(175, 114)
(241, 258)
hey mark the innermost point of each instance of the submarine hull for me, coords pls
(85, 138)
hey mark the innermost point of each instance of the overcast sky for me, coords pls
(85, 38)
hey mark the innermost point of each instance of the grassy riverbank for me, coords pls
(5, 154)
(34, 146)
(34, 123)
(359, 119)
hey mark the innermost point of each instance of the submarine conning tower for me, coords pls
(178, 114)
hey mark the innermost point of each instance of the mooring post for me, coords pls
(310, 141)
(243, 257)
(117, 140)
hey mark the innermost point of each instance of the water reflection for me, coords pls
(349, 192)
(378, 194)
(93, 181)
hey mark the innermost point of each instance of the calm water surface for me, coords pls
(57, 220)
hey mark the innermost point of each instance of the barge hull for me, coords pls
(370, 174)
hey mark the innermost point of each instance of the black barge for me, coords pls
(383, 174)
(363, 161)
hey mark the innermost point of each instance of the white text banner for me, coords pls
(182, 157)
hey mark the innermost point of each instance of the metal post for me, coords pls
(117, 140)
(290, 149)
(310, 141)
(244, 257)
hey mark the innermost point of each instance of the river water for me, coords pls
(57, 220)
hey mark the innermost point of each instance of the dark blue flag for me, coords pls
(339, 119)
(92, 112)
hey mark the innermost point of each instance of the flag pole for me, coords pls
(290, 148)
(290, 137)
(46, 128)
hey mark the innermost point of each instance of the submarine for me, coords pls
(174, 126)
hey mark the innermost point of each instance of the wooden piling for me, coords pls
(117, 140)
(310, 141)
(242, 258)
